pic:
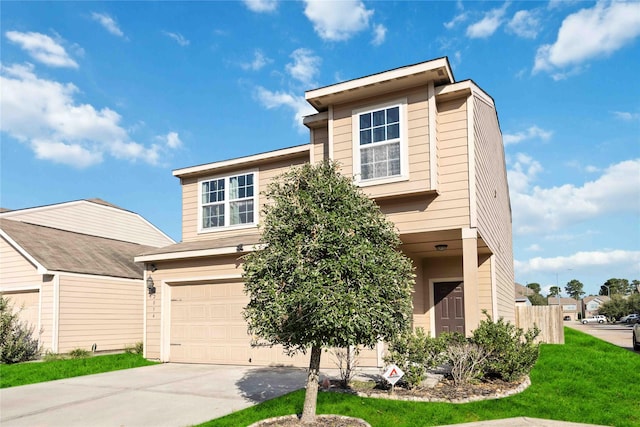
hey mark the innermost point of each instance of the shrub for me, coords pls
(16, 338)
(346, 359)
(415, 353)
(138, 348)
(466, 361)
(79, 353)
(511, 352)
(49, 356)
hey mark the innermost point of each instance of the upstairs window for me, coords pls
(227, 202)
(378, 145)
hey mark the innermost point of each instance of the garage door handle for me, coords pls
(174, 344)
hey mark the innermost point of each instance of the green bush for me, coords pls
(79, 353)
(415, 353)
(466, 360)
(16, 338)
(511, 352)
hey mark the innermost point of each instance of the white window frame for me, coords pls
(226, 202)
(404, 151)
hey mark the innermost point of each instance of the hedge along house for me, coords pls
(70, 268)
(427, 149)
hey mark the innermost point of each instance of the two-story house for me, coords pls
(426, 148)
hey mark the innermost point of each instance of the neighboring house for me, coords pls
(427, 149)
(70, 268)
(591, 305)
(570, 307)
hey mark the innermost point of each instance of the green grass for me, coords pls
(36, 372)
(586, 380)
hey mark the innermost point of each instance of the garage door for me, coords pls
(28, 302)
(207, 327)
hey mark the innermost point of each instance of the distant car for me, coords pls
(636, 335)
(630, 318)
(566, 318)
(594, 319)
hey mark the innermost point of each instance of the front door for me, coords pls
(449, 303)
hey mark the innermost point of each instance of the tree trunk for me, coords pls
(311, 395)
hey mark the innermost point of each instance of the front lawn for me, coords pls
(36, 372)
(587, 380)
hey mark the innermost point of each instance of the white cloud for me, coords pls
(379, 34)
(108, 23)
(297, 104)
(523, 171)
(258, 62)
(545, 210)
(589, 33)
(44, 114)
(488, 24)
(534, 248)
(525, 24)
(42, 48)
(261, 6)
(305, 66)
(173, 140)
(337, 20)
(534, 132)
(580, 260)
(179, 38)
(592, 169)
(627, 116)
(456, 20)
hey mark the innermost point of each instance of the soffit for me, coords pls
(437, 71)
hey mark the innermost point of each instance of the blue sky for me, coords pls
(105, 99)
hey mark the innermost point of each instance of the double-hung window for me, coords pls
(228, 201)
(379, 142)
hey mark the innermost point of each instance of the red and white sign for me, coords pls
(393, 374)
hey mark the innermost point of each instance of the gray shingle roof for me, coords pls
(249, 239)
(60, 250)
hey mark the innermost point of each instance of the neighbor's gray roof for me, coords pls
(60, 250)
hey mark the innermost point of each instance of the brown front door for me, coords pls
(449, 301)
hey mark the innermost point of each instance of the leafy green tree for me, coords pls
(616, 286)
(635, 286)
(615, 308)
(554, 291)
(574, 289)
(330, 273)
(537, 299)
(535, 287)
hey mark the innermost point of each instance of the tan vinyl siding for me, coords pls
(46, 315)
(15, 270)
(95, 220)
(450, 209)
(485, 300)
(493, 209)
(320, 144)
(190, 203)
(102, 311)
(417, 130)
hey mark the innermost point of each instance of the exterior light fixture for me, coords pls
(151, 286)
(153, 267)
(441, 248)
(239, 248)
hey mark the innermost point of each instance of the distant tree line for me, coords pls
(575, 289)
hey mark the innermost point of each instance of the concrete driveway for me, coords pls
(172, 395)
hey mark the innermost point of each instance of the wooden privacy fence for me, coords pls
(547, 318)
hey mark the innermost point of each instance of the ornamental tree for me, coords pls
(329, 273)
(574, 289)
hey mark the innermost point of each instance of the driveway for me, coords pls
(616, 333)
(172, 395)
